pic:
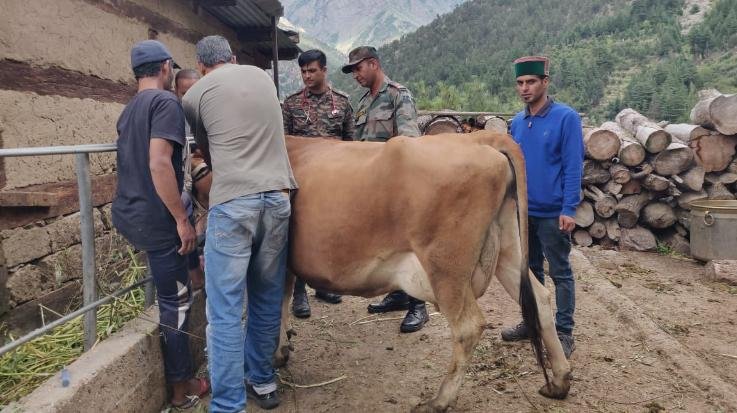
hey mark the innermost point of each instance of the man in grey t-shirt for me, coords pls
(236, 120)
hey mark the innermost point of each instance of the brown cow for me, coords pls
(435, 216)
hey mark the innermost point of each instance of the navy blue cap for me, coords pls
(149, 51)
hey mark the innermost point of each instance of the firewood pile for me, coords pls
(640, 176)
(436, 124)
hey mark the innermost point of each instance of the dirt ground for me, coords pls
(651, 336)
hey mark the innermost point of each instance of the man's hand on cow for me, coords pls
(566, 223)
(187, 236)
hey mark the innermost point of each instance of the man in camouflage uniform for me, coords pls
(316, 110)
(386, 110)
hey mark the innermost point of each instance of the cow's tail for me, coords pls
(528, 303)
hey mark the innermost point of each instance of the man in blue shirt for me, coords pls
(551, 138)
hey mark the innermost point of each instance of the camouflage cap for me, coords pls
(358, 55)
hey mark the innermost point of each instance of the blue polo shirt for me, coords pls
(552, 142)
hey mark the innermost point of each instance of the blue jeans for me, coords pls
(174, 295)
(245, 251)
(549, 242)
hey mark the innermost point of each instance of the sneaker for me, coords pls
(516, 333)
(266, 401)
(569, 345)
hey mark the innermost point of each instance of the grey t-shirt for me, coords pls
(236, 111)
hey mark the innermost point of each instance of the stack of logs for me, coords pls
(640, 176)
(436, 124)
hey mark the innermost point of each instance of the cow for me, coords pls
(436, 216)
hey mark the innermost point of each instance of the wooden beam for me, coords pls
(103, 191)
(255, 35)
(53, 194)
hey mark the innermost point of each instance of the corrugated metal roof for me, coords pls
(247, 14)
(250, 15)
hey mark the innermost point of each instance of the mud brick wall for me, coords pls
(65, 73)
(64, 79)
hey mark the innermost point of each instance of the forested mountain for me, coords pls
(345, 24)
(606, 54)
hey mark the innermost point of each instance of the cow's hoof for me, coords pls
(429, 407)
(281, 356)
(557, 391)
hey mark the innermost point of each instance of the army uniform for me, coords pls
(329, 114)
(390, 113)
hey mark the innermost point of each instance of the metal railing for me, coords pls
(87, 230)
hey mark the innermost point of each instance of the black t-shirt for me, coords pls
(138, 212)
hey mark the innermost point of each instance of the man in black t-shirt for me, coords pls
(148, 211)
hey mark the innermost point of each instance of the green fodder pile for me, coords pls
(25, 368)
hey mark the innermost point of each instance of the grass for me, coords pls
(664, 249)
(25, 368)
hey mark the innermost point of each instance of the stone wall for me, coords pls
(44, 265)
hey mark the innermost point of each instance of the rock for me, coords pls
(66, 265)
(24, 245)
(30, 282)
(4, 294)
(66, 230)
(722, 271)
(107, 215)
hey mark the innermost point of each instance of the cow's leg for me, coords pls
(457, 302)
(508, 273)
(281, 356)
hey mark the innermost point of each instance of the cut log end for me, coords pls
(637, 239)
(582, 237)
(722, 113)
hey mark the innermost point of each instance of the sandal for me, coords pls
(193, 400)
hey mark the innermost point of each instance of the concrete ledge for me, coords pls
(124, 373)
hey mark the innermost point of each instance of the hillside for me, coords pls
(290, 79)
(345, 24)
(605, 54)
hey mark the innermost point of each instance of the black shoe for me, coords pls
(328, 297)
(300, 305)
(568, 344)
(416, 317)
(516, 333)
(265, 401)
(394, 301)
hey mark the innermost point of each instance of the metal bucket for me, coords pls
(714, 230)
